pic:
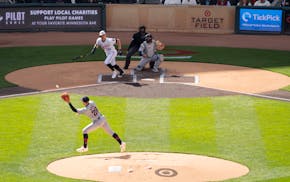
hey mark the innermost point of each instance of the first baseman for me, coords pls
(107, 44)
(98, 121)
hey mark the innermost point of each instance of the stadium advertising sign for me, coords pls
(260, 20)
(51, 18)
(287, 22)
(207, 21)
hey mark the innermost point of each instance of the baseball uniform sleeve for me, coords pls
(113, 41)
(72, 107)
(82, 110)
(142, 47)
(98, 42)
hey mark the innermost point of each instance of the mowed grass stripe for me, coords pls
(238, 134)
(274, 120)
(192, 126)
(16, 124)
(147, 124)
(54, 133)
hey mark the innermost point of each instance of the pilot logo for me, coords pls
(246, 16)
(13, 18)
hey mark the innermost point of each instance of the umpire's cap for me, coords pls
(85, 99)
(142, 28)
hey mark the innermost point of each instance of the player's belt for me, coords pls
(99, 117)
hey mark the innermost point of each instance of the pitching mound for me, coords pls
(145, 166)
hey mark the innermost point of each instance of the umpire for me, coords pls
(137, 40)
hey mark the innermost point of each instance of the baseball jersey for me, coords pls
(107, 45)
(148, 48)
(90, 110)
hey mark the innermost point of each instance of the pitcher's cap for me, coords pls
(102, 32)
(85, 99)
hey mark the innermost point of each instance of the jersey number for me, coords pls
(94, 111)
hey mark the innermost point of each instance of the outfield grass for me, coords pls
(21, 57)
(36, 130)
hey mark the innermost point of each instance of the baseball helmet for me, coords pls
(85, 99)
(148, 37)
(101, 33)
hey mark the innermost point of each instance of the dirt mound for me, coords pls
(147, 166)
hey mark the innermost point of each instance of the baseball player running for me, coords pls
(98, 121)
(148, 50)
(107, 44)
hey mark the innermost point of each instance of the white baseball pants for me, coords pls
(100, 123)
(111, 57)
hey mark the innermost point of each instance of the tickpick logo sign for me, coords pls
(266, 20)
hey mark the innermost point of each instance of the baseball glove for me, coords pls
(65, 97)
(159, 45)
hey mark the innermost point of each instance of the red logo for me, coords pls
(207, 13)
(288, 19)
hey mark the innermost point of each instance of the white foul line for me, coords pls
(107, 83)
(55, 90)
(237, 92)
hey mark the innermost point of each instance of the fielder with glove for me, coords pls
(98, 121)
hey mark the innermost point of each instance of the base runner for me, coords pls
(107, 44)
(98, 121)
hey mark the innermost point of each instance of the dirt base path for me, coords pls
(146, 166)
(225, 77)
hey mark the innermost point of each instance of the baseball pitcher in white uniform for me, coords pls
(108, 45)
(148, 51)
(98, 121)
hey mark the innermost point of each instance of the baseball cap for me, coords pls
(101, 33)
(85, 99)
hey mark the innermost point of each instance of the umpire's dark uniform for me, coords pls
(138, 38)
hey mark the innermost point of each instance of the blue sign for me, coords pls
(266, 20)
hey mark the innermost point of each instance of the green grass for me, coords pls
(36, 130)
(287, 88)
(14, 58)
(21, 57)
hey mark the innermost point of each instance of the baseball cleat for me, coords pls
(155, 70)
(82, 149)
(138, 68)
(114, 74)
(123, 147)
(120, 75)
